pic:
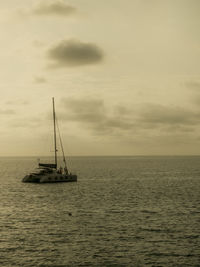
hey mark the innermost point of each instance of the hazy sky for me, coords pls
(125, 75)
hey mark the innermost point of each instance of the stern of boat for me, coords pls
(31, 179)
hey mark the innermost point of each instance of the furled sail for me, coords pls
(48, 165)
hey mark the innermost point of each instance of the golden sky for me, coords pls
(124, 74)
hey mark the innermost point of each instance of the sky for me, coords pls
(125, 75)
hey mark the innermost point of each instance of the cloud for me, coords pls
(48, 9)
(93, 114)
(59, 8)
(7, 112)
(38, 43)
(40, 79)
(17, 102)
(194, 85)
(194, 89)
(71, 53)
(163, 115)
(89, 110)
(24, 122)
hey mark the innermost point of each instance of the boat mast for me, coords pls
(54, 127)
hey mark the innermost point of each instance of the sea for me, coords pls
(123, 211)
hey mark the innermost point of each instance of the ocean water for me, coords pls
(125, 211)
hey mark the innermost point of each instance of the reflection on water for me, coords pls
(125, 211)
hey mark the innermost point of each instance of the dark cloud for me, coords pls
(40, 79)
(93, 114)
(73, 53)
(59, 8)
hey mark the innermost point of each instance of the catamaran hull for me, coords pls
(60, 178)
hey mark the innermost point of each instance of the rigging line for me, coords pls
(64, 160)
(61, 144)
(70, 163)
(54, 127)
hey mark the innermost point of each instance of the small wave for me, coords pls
(149, 211)
(191, 236)
(194, 212)
(11, 249)
(158, 230)
(152, 230)
(50, 265)
(163, 254)
(30, 250)
(158, 241)
(158, 254)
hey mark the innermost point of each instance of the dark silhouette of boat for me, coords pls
(48, 172)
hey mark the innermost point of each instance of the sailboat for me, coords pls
(49, 172)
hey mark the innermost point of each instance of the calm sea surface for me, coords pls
(126, 211)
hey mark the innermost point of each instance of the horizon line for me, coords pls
(139, 155)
